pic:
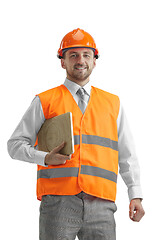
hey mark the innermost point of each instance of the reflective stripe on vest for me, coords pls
(73, 172)
(101, 141)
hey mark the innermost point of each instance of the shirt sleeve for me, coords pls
(128, 162)
(21, 143)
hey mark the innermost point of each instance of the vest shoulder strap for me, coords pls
(47, 96)
(111, 99)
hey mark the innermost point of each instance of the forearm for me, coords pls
(128, 162)
(21, 143)
(21, 149)
(129, 171)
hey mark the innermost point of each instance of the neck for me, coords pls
(79, 82)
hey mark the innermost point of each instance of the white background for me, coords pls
(127, 34)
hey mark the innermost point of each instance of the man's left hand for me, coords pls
(136, 211)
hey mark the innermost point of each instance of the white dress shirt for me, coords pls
(21, 143)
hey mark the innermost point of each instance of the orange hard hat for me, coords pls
(78, 38)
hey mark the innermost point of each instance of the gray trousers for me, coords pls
(82, 215)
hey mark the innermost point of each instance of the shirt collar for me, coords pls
(73, 87)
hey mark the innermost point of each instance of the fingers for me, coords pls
(62, 157)
(58, 148)
(138, 215)
(131, 212)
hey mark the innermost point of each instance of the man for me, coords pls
(78, 192)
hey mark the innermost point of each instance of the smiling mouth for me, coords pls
(80, 68)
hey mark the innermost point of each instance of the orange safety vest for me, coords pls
(93, 167)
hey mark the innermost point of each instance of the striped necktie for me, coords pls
(83, 99)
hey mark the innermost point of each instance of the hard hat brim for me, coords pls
(62, 51)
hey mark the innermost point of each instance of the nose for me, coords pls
(80, 59)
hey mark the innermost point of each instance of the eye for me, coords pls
(73, 55)
(86, 55)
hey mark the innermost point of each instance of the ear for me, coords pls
(63, 63)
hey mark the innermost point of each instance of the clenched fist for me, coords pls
(136, 211)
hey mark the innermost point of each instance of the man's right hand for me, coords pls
(55, 158)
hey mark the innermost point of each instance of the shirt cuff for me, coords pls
(135, 192)
(40, 158)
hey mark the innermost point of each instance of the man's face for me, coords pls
(79, 63)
